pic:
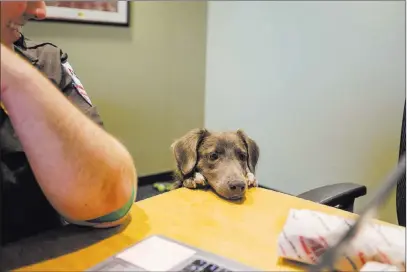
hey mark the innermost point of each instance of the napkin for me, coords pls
(307, 234)
(375, 266)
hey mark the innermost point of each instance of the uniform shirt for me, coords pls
(25, 210)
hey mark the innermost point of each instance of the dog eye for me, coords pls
(242, 156)
(213, 156)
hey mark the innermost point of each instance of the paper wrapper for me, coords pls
(375, 266)
(307, 234)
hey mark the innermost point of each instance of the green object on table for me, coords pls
(162, 186)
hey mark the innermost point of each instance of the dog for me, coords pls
(225, 161)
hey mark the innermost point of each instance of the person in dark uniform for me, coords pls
(57, 163)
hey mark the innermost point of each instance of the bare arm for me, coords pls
(84, 172)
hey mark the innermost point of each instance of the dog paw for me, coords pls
(189, 183)
(193, 183)
(200, 179)
(251, 180)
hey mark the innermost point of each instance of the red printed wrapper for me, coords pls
(307, 234)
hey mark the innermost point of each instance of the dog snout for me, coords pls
(237, 186)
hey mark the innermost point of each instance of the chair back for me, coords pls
(401, 185)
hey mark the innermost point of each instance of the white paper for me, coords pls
(307, 234)
(375, 266)
(156, 254)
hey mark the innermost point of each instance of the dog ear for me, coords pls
(185, 150)
(252, 150)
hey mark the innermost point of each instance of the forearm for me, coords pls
(84, 172)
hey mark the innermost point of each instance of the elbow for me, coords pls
(110, 198)
(123, 193)
(111, 206)
(119, 191)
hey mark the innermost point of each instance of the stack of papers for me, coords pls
(307, 234)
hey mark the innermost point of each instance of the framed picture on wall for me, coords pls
(89, 12)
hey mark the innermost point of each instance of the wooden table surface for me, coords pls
(246, 232)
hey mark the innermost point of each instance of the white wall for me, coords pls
(319, 85)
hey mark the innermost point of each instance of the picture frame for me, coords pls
(114, 13)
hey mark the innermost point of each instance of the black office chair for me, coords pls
(401, 185)
(340, 195)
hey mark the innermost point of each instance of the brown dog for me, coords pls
(225, 161)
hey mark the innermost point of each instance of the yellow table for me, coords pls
(245, 232)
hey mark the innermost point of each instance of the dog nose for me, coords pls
(237, 185)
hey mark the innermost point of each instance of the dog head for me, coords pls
(224, 159)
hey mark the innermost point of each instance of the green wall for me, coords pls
(147, 80)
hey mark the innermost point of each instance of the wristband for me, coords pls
(116, 215)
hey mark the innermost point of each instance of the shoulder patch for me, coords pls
(76, 82)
